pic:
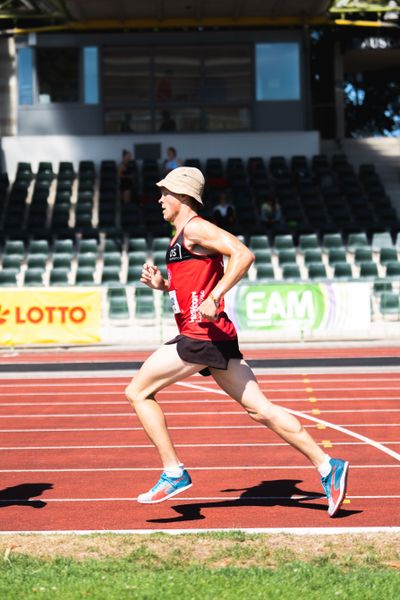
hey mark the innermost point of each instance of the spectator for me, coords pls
(172, 160)
(270, 211)
(127, 179)
(224, 213)
(167, 121)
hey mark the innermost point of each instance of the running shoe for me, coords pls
(335, 484)
(165, 488)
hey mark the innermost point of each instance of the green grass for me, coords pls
(200, 567)
(27, 578)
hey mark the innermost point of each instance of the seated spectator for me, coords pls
(167, 121)
(172, 161)
(224, 214)
(270, 211)
(127, 178)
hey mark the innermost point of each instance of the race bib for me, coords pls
(174, 302)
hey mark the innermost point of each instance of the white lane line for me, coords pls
(224, 468)
(198, 391)
(344, 430)
(248, 530)
(186, 427)
(217, 401)
(244, 444)
(245, 499)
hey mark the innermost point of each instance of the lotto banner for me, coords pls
(303, 307)
(33, 316)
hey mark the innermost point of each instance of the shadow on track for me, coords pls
(280, 492)
(20, 495)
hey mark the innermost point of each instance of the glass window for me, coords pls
(227, 73)
(182, 119)
(126, 75)
(219, 118)
(25, 76)
(127, 121)
(58, 74)
(177, 74)
(278, 71)
(90, 75)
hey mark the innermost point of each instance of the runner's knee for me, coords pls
(135, 393)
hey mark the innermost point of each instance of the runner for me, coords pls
(207, 340)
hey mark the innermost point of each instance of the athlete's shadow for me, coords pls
(281, 492)
(20, 495)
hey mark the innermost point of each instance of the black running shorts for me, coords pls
(203, 352)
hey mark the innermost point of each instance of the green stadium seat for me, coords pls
(393, 269)
(85, 276)
(138, 258)
(134, 274)
(8, 277)
(382, 285)
(159, 258)
(368, 269)
(38, 247)
(336, 255)
(110, 275)
(308, 241)
(37, 261)
(387, 255)
(113, 245)
(160, 244)
(262, 256)
(62, 260)
(317, 270)
(14, 247)
(332, 240)
(287, 257)
(34, 276)
(12, 261)
(88, 259)
(290, 271)
(144, 303)
(258, 242)
(390, 304)
(283, 242)
(112, 259)
(357, 240)
(166, 305)
(342, 270)
(59, 276)
(118, 308)
(139, 244)
(312, 255)
(362, 254)
(88, 245)
(265, 271)
(63, 246)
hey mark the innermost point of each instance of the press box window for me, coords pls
(278, 71)
(58, 74)
(25, 76)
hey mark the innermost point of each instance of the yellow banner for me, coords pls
(36, 316)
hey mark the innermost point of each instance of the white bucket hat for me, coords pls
(185, 180)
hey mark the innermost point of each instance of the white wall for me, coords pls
(34, 149)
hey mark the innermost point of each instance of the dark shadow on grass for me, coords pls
(280, 492)
(20, 495)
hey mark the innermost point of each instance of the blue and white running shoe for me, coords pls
(335, 484)
(165, 488)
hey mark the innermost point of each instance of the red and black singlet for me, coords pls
(191, 277)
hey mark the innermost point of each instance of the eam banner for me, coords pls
(50, 316)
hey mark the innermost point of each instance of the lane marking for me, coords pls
(244, 499)
(345, 430)
(327, 530)
(172, 427)
(224, 468)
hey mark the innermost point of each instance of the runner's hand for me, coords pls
(208, 310)
(152, 277)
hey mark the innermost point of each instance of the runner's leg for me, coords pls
(239, 382)
(161, 369)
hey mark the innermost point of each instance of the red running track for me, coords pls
(74, 457)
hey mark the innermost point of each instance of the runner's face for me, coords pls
(170, 204)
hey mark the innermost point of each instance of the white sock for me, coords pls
(325, 467)
(174, 471)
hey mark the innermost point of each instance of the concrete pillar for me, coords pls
(8, 88)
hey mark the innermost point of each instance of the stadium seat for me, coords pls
(362, 254)
(160, 244)
(390, 304)
(283, 242)
(63, 246)
(112, 259)
(387, 255)
(262, 256)
(110, 275)
(137, 257)
(308, 242)
(357, 240)
(14, 247)
(134, 274)
(317, 270)
(342, 270)
(34, 276)
(88, 245)
(85, 276)
(37, 261)
(290, 271)
(393, 269)
(287, 257)
(265, 271)
(87, 260)
(368, 269)
(144, 303)
(382, 285)
(332, 240)
(257, 242)
(312, 255)
(118, 308)
(38, 247)
(336, 255)
(62, 260)
(59, 276)
(8, 277)
(139, 244)
(12, 261)
(113, 245)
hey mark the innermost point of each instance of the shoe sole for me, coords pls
(165, 497)
(343, 487)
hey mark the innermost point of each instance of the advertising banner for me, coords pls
(34, 316)
(303, 307)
